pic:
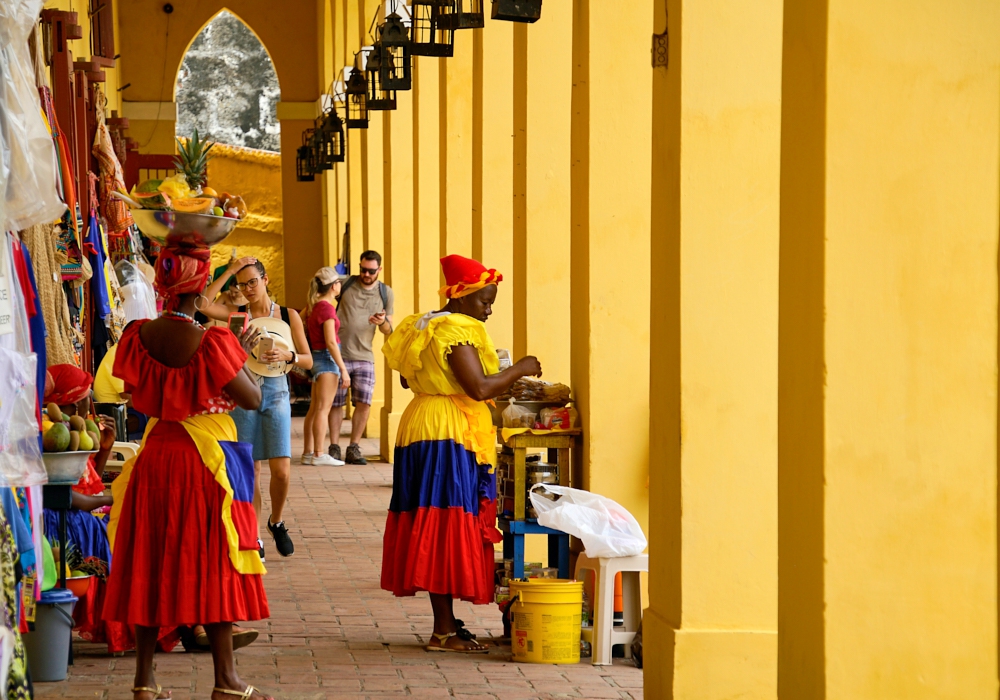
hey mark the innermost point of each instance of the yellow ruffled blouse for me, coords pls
(419, 348)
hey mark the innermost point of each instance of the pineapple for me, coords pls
(192, 160)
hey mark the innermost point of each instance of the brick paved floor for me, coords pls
(333, 633)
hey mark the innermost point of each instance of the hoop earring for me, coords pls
(196, 300)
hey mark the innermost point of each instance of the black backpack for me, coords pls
(354, 278)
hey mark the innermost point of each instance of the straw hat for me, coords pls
(282, 334)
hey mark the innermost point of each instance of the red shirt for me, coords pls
(321, 313)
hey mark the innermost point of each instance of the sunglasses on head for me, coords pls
(249, 284)
(369, 270)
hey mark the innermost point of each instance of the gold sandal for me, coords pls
(442, 639)
(243, 694)
(155, 691)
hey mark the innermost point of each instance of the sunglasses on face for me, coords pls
(249, 284)
(369, 270)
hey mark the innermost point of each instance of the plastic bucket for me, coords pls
(545, 616)
(48, 646)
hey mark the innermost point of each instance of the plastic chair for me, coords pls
(127, 450)
(604, 635)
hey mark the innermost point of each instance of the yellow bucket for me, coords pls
(545, 616)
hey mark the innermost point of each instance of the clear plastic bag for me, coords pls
(20, 453)
(28, 154)
(138, 296)
(515, 416)
(605, 527)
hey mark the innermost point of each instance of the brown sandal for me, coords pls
(155, 691)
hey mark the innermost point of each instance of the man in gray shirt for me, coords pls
(365, 304)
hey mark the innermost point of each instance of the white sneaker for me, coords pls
(306, 459)
(326, 461)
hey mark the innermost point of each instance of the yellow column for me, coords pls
(398, 260)
(427, 182)
(543, 62)
(456, 148)
(373, 210)
(354, 30)
(712, 620)
(888, 350)
(493, 167)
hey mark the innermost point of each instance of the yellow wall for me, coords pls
(888, 407)
(256, 176)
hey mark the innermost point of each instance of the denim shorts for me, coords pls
(269, 428)
(323, 363)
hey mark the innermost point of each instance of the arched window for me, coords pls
(227, 87)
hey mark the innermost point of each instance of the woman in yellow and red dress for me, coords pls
(441, 526)
(182, 529)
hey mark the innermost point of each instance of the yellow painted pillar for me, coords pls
(373, 211)
(493, 167)
(543, 64)
(712, 622)
(888, 351)
(398, 253)
(456, 148)
(427, 182)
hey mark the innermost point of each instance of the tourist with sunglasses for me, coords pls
(365, 304)
(269, 428)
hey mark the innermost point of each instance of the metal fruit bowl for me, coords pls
(66, 467)
(181, 228)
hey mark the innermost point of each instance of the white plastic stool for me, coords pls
(127, 450)
(604, 635)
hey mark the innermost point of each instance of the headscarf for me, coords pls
(181, 271)
(69, 384)
(465, 276)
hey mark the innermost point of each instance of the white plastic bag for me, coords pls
(605, 528)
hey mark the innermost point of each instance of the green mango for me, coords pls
(56, 439)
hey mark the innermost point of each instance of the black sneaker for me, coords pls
(282, 542)
(260, 549)
(354, 455)
(334, 452)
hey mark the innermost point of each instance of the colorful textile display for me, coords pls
(115, 212)
(41, 243)
(441, 525)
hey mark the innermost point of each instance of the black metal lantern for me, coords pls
(466, 14)
(396, 66)
(302, 171)
(379, 98)
(430, 31)
(517, 10)
(357, 100)
(329, 140)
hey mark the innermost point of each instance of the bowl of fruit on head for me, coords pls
(67, 444)
(182, 209)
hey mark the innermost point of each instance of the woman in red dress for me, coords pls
(182, 530)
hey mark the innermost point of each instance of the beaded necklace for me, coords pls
(179, 316)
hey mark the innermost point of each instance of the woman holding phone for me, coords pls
(329, 372)
(269, 428)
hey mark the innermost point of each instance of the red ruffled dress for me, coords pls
(172, 563)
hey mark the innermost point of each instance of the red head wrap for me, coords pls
(181, 271)
(465, 276)
(69, 384)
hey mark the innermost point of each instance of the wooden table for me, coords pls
(514, 529)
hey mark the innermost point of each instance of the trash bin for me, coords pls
(48, 646)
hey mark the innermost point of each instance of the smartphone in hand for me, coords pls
(238, 323)
(264, 346)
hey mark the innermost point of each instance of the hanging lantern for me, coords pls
(430, 33)
(396, 66)
(467, 14)
(329, 139)
(302, 171)
(379, 98)
(357, 100)
(517, 10)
